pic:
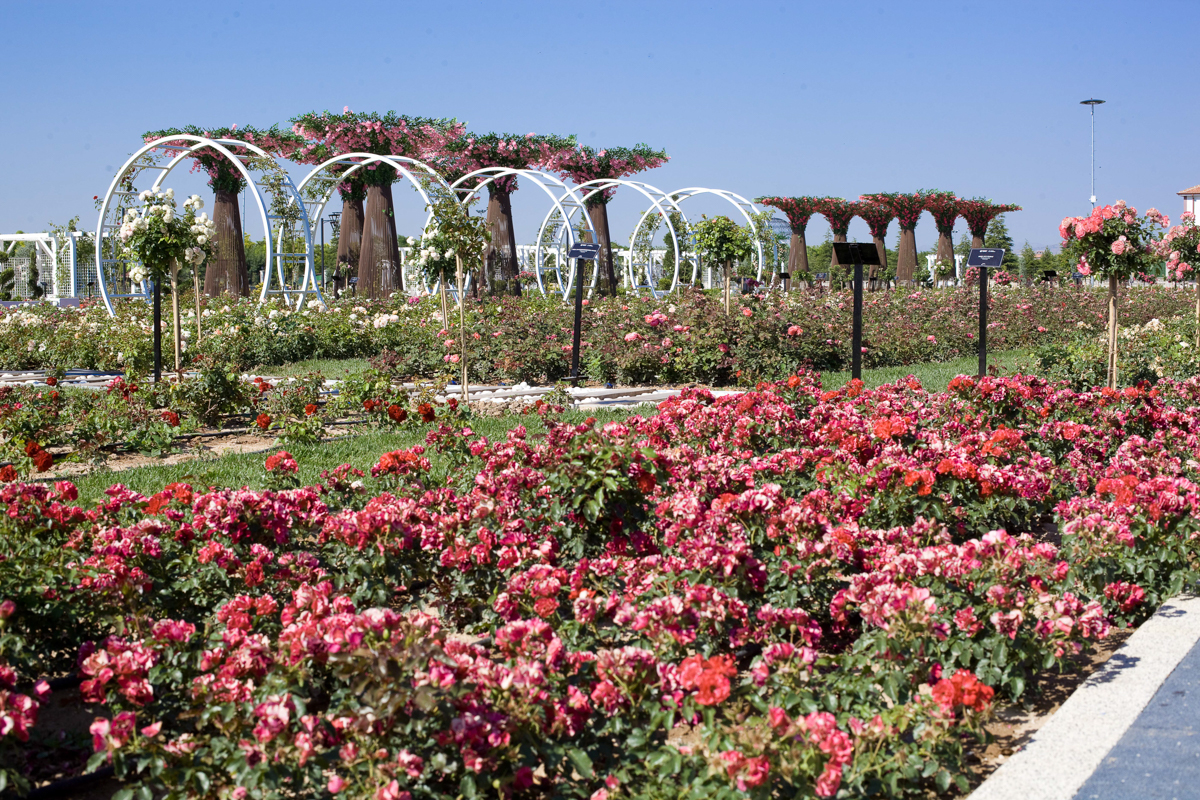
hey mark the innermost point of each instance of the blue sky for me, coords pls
(786, 98)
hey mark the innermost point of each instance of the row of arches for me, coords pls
(287, 212)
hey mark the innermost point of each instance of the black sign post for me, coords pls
(860, 253)
(984, 257)
(580, 251)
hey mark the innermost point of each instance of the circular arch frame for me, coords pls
(562, 202)
(319, 196)
(657, 198)
(272, 211)
(744, 207)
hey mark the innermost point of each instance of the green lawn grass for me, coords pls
(934, 376)
(361, 450)
(331, 368)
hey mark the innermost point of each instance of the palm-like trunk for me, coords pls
(227, 272)
(379, 259)
(881, 249)
(501, 253)
(599, 217)
(833, 262)
(945, 248)
(976, 240)
(349, 241)
(906, 259)
(797, 255)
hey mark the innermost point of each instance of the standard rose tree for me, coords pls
(227, 271)
(799, 211)
(421, 138)
(1113, 242)
(470, 152)
(459, 239)
(1180, 248)
(722, 240)
(159, 239)
(586, 164)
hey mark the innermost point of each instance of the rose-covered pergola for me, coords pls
(280, 208)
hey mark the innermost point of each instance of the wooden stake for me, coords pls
(462, 327)
(1112, 332)
(175, 317)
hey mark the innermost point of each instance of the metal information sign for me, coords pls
(860, 253)
(984, 257)
(580, 251)
(585, 250)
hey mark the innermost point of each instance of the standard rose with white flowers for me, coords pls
(155, 235)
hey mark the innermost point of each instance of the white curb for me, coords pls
(1065, 751)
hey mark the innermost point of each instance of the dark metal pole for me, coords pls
(983, 306)
(578, 321)
(157, 333)
(856, 338)
(322, 254)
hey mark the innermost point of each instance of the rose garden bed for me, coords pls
(790, 591)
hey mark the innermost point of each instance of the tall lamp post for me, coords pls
(334, 219)
(1093, 103)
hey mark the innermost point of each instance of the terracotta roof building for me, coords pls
(1190, 198)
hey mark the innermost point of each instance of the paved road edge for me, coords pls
(1064, 753)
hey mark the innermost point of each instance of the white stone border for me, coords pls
(1064, 752)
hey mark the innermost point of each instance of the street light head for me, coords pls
(1092, 102)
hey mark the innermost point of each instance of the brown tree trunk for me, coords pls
(227, 272)
(906, 259)
(976, 241)
(945, 248)
(833, 262)
(379, 259)
(881, 249)
(608, 273)
(501, 253)
(798, 255)
(1112, 332)
(349, 242)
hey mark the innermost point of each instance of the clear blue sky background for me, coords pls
(760, 98)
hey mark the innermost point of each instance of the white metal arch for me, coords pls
(562, 202)
(319, 196)
(270, 198)
(660, 201)
(744, 207)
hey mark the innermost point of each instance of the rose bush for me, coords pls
(787, 591)
(683, 338)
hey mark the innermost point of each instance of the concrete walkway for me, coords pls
(1128, 732)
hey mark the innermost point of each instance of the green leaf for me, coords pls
(942, 780)
(583, 764)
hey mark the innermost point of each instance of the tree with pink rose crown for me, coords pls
(979, 213)
(838, 212)
(1180, 247)
(878, 217)
(799, 211)
(379, 273)
(907, 208)
(467, 152)
(943, 207)
(1113, 242)
(587, 164)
